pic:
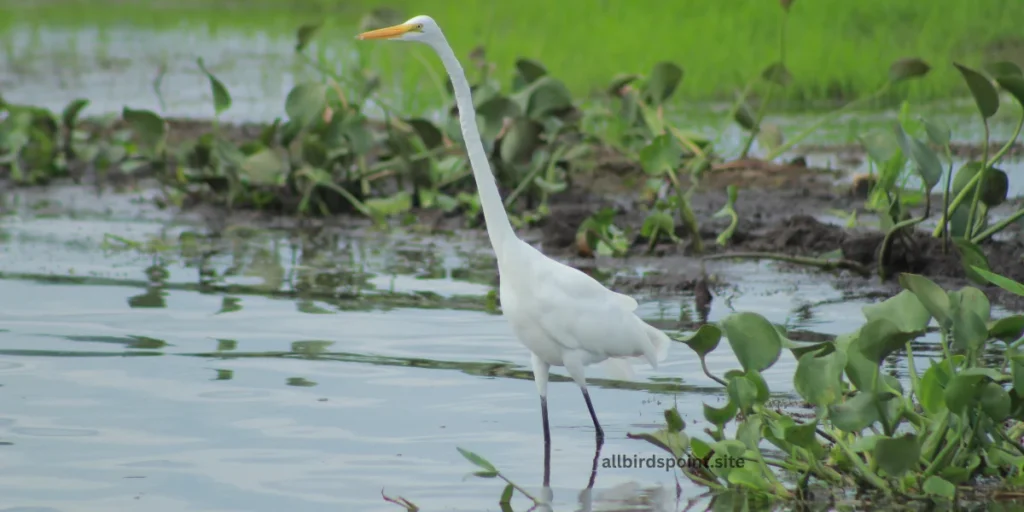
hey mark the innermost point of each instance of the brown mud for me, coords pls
(780, 207)
(780, 212)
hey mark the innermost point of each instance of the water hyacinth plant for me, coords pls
(958, 423)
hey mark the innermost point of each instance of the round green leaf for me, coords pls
(1007, 329)
(720, 415)
(818, 379)
(493, 113)
(742, 392)
(938, 132)
(937, 486)
(264, 167)
(997, 186)
(547, 96)
(855, 414)
(971, 256)
(985, 95)
(972, 299)
(428, 133)
(1003, 68)
(754, 340)
(1017, 372)
(931, 295)
(674, 422)
(305, 34)
(305, 103)
(658, 221)
(749, 477)
(221, 98)
(662, 82)
(903, 309)
(995, 401)
(804, 436)
(745, 118)
(150, 127)
(619, 82)
(963, 389)
(1013, 85)
(879, 338)
(520, 140)
(530, 70)
(897, 455)
(70, 114)
(926, 162)
(969, 329)
(662, 155)
(907, 69)
(777, 73)
(933, 385)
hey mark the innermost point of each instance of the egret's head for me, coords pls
(418, 28)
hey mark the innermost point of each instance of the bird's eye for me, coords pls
(420, 26)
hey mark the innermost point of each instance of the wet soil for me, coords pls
(780, 212)
(780, 208)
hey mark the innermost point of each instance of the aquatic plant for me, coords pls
(959, 423)
(964, 223)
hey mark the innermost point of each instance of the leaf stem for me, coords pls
(688, 218)
(824, 120)
(978, 188)
(1001, 225)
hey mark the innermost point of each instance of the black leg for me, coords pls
(547, 440)
(593, 468)
(597, 426)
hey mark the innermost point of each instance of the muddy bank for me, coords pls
(780, 208)
(782, 214)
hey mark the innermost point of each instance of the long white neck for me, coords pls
(499, 230)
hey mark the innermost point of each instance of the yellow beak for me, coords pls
(389, 32)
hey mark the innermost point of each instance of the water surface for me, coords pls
(306, 371)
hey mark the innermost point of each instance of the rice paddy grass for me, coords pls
(835, 49)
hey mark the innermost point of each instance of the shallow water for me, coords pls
(298, 371)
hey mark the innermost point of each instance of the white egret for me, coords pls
(563, 316)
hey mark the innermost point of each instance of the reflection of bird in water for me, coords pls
(624, 497)
(563, 316)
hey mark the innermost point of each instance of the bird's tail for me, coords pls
(657, 350)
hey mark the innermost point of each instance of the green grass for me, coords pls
(835, 48)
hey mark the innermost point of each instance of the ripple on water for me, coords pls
(157, 464)
(29, 509)
(7, 366)
(235, 394)
(54, 432)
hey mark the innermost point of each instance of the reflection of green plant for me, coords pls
(487, 470)
(950, 428)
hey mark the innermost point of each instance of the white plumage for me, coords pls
(563, 316)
